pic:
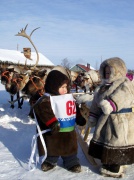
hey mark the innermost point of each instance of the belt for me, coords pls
(125, 110)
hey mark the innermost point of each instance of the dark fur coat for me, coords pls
(60, 143)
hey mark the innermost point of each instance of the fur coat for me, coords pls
(113, 138)
(59, 143)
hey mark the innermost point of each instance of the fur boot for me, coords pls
(108, 173)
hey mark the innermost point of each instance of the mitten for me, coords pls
(106, 107)
(55, 127)
(80, 121)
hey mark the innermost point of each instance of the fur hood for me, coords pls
(54, 80)
(117, 67)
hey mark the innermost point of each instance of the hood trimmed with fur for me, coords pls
(117, 67)
(54, 81)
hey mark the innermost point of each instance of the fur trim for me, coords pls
(106, 153)
(54, 81)
(117, 67)
(107, 173)
(63, 70)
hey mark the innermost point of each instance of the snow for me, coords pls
(16, 132)
(18, 57)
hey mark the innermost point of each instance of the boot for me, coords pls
(46, 166)
(75, 168)
(112, 171)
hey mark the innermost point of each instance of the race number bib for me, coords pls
(65, 111)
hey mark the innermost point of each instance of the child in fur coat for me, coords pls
(56, 110)
(112, 114)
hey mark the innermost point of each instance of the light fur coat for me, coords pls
(113, 138)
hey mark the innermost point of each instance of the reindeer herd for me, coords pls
(23, 83)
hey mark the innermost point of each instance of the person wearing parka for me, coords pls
(59, 144)
(112, 114)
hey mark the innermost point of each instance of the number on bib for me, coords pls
(70, 108)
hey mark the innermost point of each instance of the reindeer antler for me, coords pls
(23, 34)
(34, 30)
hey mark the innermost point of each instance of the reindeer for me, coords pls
(88, 81)
(6, 75)
(18, 82)
(34, 88)
(91, 80)
(13, 81)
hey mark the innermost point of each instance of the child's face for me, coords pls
(63, 89)
(107, 72)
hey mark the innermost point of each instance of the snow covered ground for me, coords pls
(16, 132)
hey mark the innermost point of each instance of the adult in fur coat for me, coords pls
(112, 114)
(58, 143)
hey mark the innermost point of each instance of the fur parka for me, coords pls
(113, 138)
(59, 143)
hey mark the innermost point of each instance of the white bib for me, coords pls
(64, 109)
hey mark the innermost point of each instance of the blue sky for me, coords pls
(83, 31)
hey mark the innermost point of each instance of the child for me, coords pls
(56, 110)
(112, 115)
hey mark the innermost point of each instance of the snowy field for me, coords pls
(16, 132)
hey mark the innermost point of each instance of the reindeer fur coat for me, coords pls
(113, 138)
(60, 143)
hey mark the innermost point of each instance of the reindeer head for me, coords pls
(35, 84)
(18, 82)
(6, 76)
